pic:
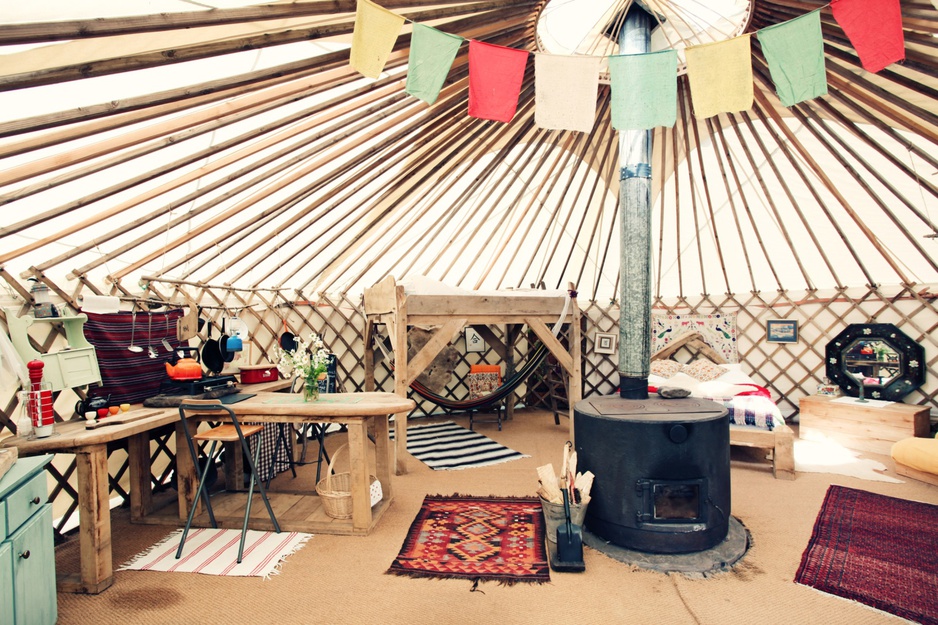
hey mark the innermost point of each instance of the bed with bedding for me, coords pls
(755, 420)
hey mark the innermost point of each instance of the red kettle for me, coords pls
(185, 364)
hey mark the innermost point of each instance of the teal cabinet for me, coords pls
(27, 551)
(6, 583)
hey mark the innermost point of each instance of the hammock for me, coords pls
(508, 385)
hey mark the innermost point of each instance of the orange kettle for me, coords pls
(185, 364)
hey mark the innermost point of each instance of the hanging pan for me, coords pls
(211, 354)
(227, 354)
(287, 339)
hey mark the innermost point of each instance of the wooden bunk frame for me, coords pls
(780, 440)
(387, 303)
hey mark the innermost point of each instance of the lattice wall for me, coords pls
(789, 371)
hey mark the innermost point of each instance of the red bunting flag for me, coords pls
(495, 75)
(874, 28)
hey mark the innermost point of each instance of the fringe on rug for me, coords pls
(301, 541)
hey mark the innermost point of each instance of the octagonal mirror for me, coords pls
(875, 360)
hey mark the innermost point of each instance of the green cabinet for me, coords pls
(27, 552)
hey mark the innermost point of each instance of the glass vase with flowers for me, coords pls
(306, 363)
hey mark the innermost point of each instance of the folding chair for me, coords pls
(224, 433)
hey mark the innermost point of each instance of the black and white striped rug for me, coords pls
(448, 447)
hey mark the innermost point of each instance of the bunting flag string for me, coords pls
(644, 86)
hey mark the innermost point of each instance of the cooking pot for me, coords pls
(92, 404)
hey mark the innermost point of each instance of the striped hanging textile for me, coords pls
(795, 53)
(644, 90)
(565, 91)
(874, 28)
(431, 57)
(373, 38)
(720, 77)
(495, 75)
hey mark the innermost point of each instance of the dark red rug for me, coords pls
(477, 538)
(877, 550)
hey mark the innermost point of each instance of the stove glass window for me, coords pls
(676, 501)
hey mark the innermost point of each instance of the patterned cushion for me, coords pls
(482, 384)
(665, 368)
(703, 370)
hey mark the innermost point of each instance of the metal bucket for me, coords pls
(554, 517)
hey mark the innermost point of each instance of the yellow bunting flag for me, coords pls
(720, 76)
(374, 36)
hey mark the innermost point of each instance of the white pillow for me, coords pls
(735, 377)
(680, 380)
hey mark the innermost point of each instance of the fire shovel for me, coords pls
(569, 555)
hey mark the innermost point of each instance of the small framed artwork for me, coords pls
(474, 340)
(781, 331)
(604, 343)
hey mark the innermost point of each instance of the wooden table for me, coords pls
(300, 509)
(871, 426)
(94, 511)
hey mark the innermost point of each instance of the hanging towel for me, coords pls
(431, 57)
(373, 38)
(720, 76)
(644, 90)
(874, 28)
(795, 53)
(495, 75)
(565, 91)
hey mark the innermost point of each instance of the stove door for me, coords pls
(668, 503)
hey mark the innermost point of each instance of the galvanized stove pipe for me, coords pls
(635, 231)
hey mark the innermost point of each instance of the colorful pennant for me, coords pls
(644, 87)
(375, 33)
(495, 75)
(431, 56)
(874, 28)
(720, 76)
(565, 91)
(644, 90)
(795, 53)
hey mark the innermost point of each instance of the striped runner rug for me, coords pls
(447, 446)
(215, 552)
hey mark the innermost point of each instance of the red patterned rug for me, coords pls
(877, 550)
(477, 538)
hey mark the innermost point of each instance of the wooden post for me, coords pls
(94, 515)
(141, 490)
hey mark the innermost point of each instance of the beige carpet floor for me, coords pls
(337, 580)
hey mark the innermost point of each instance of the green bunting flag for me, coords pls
(795, 53)
(431, 57)
(644, 90)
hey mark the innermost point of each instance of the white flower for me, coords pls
(308, 361)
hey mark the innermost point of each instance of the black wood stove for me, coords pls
(662, 470)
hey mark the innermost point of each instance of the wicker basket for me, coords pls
(335, 490)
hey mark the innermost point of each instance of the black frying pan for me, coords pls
(211, 354)
(287, 340)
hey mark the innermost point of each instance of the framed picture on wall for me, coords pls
(781, 331)
(604, 343)
(474, 340)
